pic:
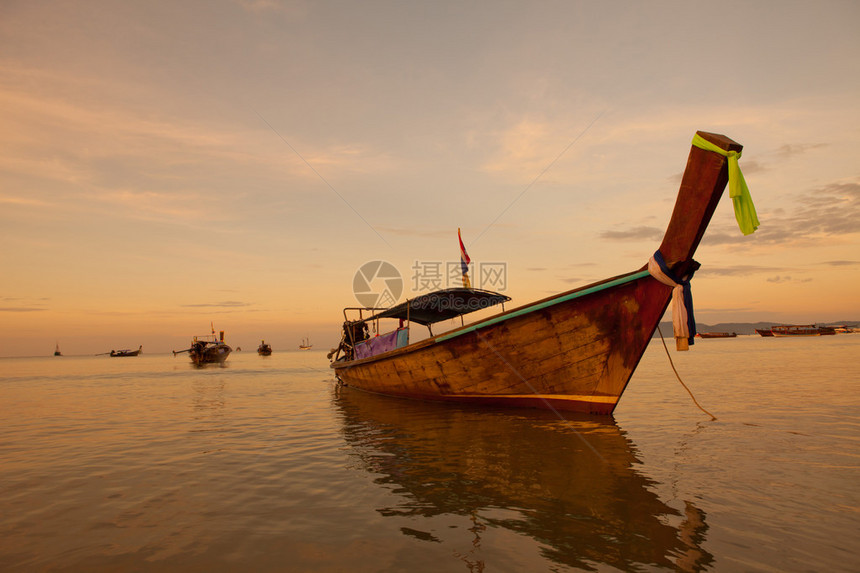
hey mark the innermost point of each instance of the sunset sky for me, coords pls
(164, 165)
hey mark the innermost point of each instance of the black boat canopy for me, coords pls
(442, 305)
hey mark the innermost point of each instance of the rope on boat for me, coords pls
(678, 376)
(683, 322)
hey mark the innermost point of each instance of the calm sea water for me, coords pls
(147, 463)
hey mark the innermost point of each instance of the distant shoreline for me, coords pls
(747, 328)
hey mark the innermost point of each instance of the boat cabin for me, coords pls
(425, 310)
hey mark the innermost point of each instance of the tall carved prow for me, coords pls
(704, 180)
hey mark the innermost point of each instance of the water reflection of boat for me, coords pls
(571, 486)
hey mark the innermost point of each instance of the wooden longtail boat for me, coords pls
(786, 330)
(126, 352)
(207, 349)
(573, 351)
(264, 349)
(717, 335)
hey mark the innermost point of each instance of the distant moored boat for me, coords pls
(785, 330)
(126, 352)
(207, 349)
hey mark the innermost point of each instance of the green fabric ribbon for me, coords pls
(738, 190)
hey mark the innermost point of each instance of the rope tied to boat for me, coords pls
(739, 192)
(678, 376)
(683, 322)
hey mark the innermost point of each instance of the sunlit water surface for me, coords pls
(147, 463)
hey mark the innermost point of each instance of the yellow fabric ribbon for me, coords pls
(738, 190)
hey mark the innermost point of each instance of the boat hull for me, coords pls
(211, 355)
(796, 335)
(565, 353)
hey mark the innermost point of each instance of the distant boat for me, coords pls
(306, 344)
(573, 351)
(126, 352)
(57, 351)
(264, 349)
(717, 334)
(785, 330)
(766, 332)
(207, 349)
